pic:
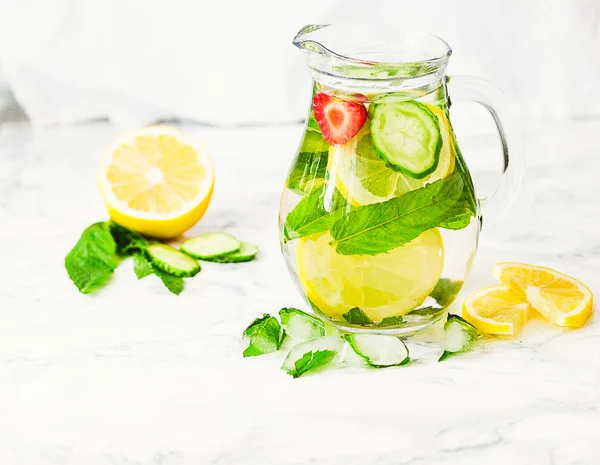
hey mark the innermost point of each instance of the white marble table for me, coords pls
(136, 376)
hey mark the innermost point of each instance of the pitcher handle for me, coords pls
(474, 89)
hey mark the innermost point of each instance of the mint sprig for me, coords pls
(100, 249)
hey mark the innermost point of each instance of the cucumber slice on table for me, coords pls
(459, 336)
(211, 245)
(406, 135)
(379, 350)
(172, 261)
(246, 253)
(313, 354)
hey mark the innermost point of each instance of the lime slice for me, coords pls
(363, 178)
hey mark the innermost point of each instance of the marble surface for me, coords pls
(136, 376)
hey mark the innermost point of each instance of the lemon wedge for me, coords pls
(363, 178)
(496, 310)
(560, 298)
(156, 181)
(381, 285)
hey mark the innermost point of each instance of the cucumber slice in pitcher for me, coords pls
(172, 261)
(211, 245)
(406, 136)
(379, 350)
(459, 336)
(246, 253)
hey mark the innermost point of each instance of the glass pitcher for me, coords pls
(379, 219)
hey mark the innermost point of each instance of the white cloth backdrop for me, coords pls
(232, 62)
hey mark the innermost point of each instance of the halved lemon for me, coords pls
(496, 310)
(562, 299)
(156, 181)
(381, 285)
(363, 178)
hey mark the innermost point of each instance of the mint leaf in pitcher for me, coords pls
(460, 215)
(390, 321)
(357, 317)
(308, 173)
(445, 291)
(311, 216)
(380, 227)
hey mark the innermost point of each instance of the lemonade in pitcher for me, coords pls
(379, 220)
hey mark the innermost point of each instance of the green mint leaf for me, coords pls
(314, 213)
(445, 291)
(357, 317)
(172, 283)
(424, 311)
(459, 221)
(460, 167)
(92, 260)
(308, 173)
(380, 227)
(264, 334)
(142, 266)
(311, 361)
(460, 215)
(390, 321)
(128, 242)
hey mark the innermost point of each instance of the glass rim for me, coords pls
(322, 58)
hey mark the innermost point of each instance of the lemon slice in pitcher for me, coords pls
(156, 182)
(381, 285)
(363, 178)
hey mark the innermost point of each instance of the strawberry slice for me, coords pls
(338, 120)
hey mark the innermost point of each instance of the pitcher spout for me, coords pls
(304, 41)
(382, 54)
